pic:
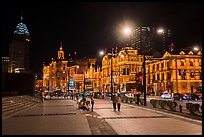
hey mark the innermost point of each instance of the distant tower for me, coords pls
(19, 50)
(61, 52)
(141, 39)
(147, 38)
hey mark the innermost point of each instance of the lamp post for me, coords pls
(144, 78)
(84, 82)
(111, 66)
(68, 79)
(111, 76)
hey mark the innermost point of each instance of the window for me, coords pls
(182, 63)
(191, 63)
(157, 66)
(124, 71)
(128, 71)
(162, 65)
(168, 64)
(168, 76)
(157, 76)
(162, 78)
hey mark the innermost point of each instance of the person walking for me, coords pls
(84, 97)
(114, 99)
(119, 101)
(42, 95)
(92, 102)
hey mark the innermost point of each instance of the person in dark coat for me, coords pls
(114, 99)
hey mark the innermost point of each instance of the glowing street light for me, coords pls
(101, 53)
(160, 31)
(127, 30)
(195, 48)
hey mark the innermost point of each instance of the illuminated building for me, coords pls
(148, 38)
(59, 73)
(179, 73)
(125, 67)
(55, 75)
(175, 72)
(141, 39)
(19, 50)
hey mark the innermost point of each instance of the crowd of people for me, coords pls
(87, 102)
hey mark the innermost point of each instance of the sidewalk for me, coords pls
(52, 117)
(138, 120)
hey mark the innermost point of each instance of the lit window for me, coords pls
(182, 63)
(191, 63)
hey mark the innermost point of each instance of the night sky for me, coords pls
(89, 27)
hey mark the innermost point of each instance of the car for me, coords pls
(130, 95)
(199, 96)
(166, 95)
(186, 96)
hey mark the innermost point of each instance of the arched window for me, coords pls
(182, 63)
(191, 63)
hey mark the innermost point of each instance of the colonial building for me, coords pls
(176, 73)
(125, 66)
(74, 75)
(55, 75)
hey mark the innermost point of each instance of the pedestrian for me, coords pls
(138, 98)
(114, 99)
(77, 96)
(84, 97)
(42, 95)
(119, 101)
(92, 102)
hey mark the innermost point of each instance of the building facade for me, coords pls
(177, 73)
(125, 67)
(55, 75)
(149, 39)
(19, 53)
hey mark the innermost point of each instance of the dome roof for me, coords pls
(21, 29)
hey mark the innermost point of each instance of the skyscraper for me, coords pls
(141, 39)
(19, 50)
(151, 40)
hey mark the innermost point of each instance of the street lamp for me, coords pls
(127, 30)
(111, 55)
(160, 31)
(101, 53)
(144, 77)
(68, 79)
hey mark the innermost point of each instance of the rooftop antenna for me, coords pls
(21, 16)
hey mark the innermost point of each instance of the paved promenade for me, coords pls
(52, 117)
(61, 117)
(137, 120)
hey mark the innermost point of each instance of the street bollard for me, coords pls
(180, 108)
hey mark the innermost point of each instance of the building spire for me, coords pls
(21, 16)
(61, 45)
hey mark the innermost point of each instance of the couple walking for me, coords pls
(116, 101)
